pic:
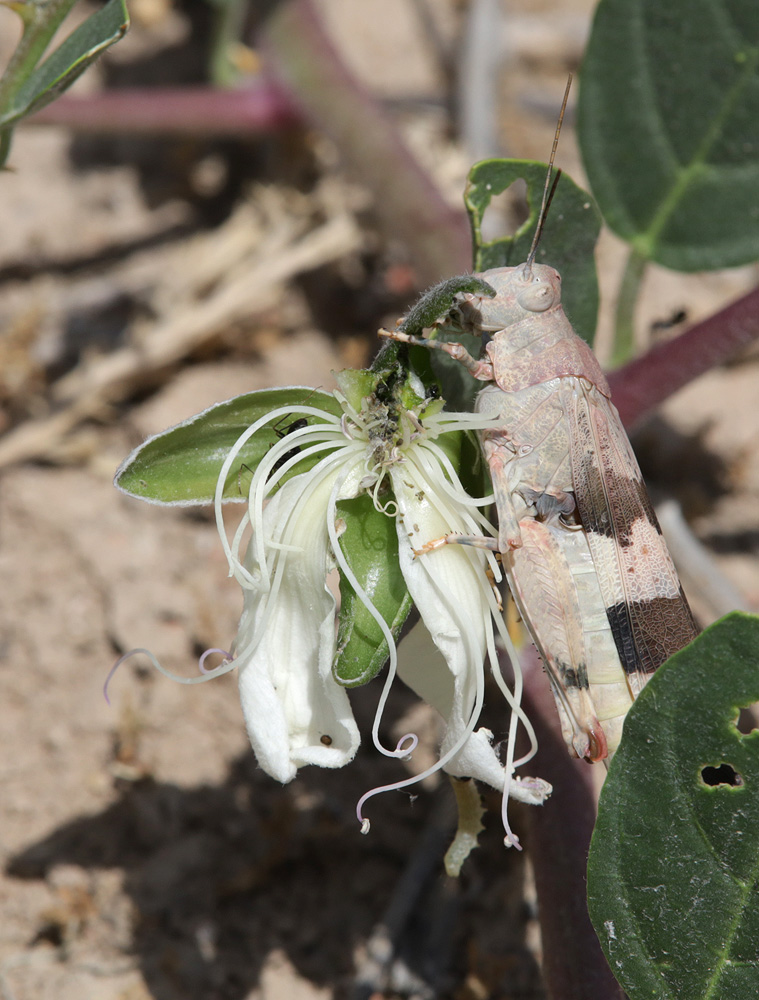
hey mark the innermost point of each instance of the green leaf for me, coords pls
(180, 466)
(370, 545)
(569, 236)
(668, 125)
(68, 61)
(674, 861)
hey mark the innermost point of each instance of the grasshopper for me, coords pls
(581, 547)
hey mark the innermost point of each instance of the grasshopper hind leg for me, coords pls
(546, 596)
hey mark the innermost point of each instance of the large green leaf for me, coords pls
(370, 544)
(180, 466)
(674, 862)
(669, 127)
(569, 235)
(68, 61)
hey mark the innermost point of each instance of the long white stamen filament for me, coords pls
(261, 488)
(472, 519)
(279, 555)
(426, 456)
(450, 484)
(416, 479)
(513, 698)
(517, 715)
(207, 675)
(237, 542)
(262, 485)
(446, 499)
(448, 755)
(235, 451)
(403, 748)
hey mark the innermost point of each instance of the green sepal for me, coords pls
(370, 546)
(72, 57)
(569, 234)
(437, 301)
(357, 384)
(673, 876)
(181, 466)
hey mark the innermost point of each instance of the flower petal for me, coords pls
(295, 712)
(447, 587)
(425, 671)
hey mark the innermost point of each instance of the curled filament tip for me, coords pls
(111, 672)
(115, 667)
(405, 751)
(202, 659)
(511, 840)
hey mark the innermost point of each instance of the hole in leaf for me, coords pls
(723, 774)
(506, 212)
(748, 719)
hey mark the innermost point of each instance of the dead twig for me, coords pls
(251, 287)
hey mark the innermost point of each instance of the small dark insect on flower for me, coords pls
(296, 425)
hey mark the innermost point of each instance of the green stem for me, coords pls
(624, 333)
(229, 20)
(5, 145)
(38, 31)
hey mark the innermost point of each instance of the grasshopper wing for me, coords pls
(647, 610)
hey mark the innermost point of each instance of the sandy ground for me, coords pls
(144, 855)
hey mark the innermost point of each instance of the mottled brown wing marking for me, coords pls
(669, 630)
(648, 614)
(594, 508)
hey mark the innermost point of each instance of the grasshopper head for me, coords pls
(520, 291)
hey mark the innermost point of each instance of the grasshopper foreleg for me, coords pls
(481, 370)
(476, 541)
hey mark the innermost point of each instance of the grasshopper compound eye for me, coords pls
(537, 296)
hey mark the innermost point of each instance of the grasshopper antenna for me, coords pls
(548, 188)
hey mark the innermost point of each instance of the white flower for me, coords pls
(296, 712)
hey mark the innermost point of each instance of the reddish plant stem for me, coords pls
(409, 206)
(559, 834)
(199, 111)
(309, 81)
(643, 384)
